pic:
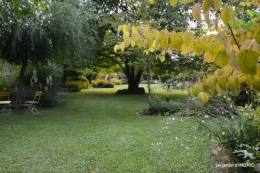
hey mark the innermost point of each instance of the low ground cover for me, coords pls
(96, 130)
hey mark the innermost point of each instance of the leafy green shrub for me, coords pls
(240, 137)
(139, 90)
(48, 79)
(216, 106)
(157, 105)
(71, 87)
(116, 81)
(108, 85)
(98, 83)
(8, 76)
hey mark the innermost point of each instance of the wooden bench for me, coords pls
(5, 102)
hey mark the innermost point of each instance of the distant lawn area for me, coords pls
(97, 131)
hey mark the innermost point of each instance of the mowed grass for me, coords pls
(98, 131)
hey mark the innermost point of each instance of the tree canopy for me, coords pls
(134, 11)
(38, 32)
(235, 48)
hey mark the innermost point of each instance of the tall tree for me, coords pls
(38, 32)
(115, 12)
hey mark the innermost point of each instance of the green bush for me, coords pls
(46, 78)
(71, 87)
(217, 106)
(8, 76)
(158, 105)
(108, 85)
(240, 137)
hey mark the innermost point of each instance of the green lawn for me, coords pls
(98, 131)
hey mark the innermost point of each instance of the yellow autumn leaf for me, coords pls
(119, 29)
(217, 4)
(162, 57)
(211, 82)
(196, 12)
(206, 17)
(222, 82)
(173, 2)
(209, 57)
(186, 49)
(187, 38)
(223, 58)
(151, 1)
(199, 46)
(214, 47)
(139, 43)
(246, 44)
(227, 14)
(127, 42)
(206, 5)
(176, 40)
(256, 48)
(135, 36)
(135, 29)
(126, 35)
(125, 28)
(122, 46)
(186, 1)
(196, 90)
(257, 34)
(256, 83)
(204, 97)
(233, 83)
(169, 50)
(220, 91)
(146, 52)
(242, 79)
(227, 70)
(164, 39)
(133, 43)
(116, 47)
(247, 61)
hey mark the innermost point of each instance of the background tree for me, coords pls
(114, 13)
(38, 32)
(234, 50)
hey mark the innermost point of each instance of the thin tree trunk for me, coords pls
(20, 85)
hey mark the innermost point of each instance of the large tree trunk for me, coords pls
(133, 79)
(20, 85)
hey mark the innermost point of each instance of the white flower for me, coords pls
(187, 148)
(206, 116)
(223, 133)
(176, 138)
(181, 120)
(202, 121)
(31, 82)
(34, 72)
(173, 118)
(47, 81)
(50, 80)
(182, 145)
(40, 85)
